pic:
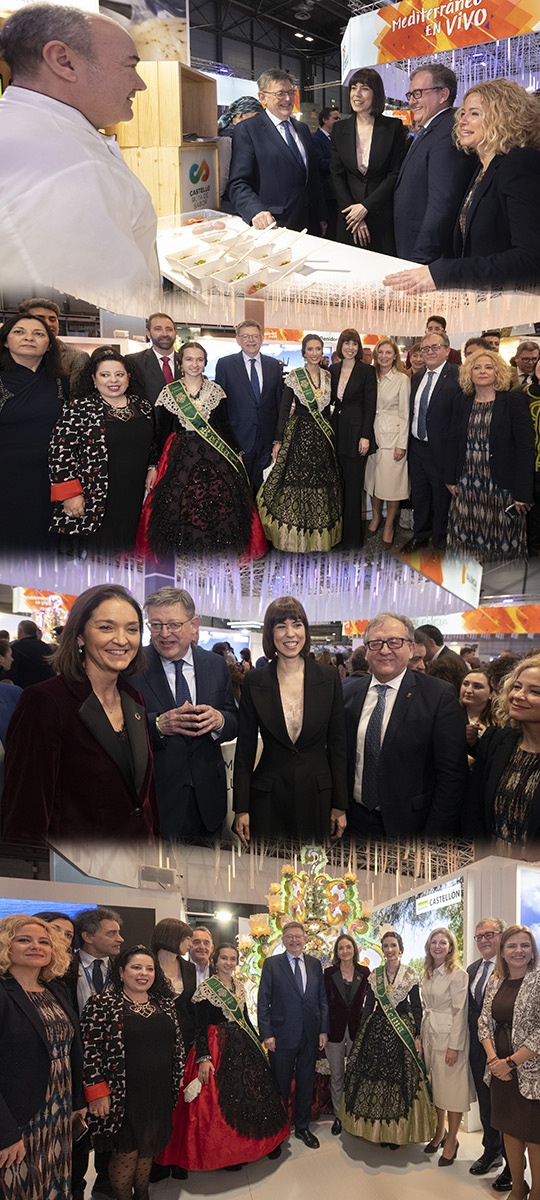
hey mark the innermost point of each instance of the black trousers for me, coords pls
(255, 463)
(362, 822)
(533, 521)
(297, 1064)
(429, 494)
(353, 471)
(492, 1140)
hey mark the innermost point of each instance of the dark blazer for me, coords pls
(321, 146)
(431, 185)
(25, 1057)
(148, 367)
(354, 414)
(195, 762)
(341, 1016)
(375, 189)
(266, 176)
(511, 443)
(295, 784)
(443, 401)
(30, 662)
(185, 1010)
(501, 245)
(474, 1013)
(282, 1012)
(447, 655)
(493, 753)
(422, 770)
(253, 424)
(75, 781)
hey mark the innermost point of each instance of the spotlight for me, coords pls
(223, 916)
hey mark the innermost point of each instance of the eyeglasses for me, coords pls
(433, 347)
(484, 937)
(419, 92)
(282, 95)
(172, 626)
(392, 643)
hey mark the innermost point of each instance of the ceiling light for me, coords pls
(300, 35)
(223, 915)
(308, 38)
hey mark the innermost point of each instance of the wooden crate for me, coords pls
(178, 101)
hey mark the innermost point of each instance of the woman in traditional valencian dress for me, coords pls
(301, 501)
(199, 497)
(387, 1098)
(229, 1111)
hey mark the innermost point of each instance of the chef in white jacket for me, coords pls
(445, 1040)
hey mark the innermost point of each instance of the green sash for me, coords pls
(190, 411)
(309, 396)
(228, 1001)
(397, 1024)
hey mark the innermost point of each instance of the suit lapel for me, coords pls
(270, 706)
(21, 999)
(92, 715)
(279, 142)
(157, 680)
(134, 716)
(154, 370)
(482, 187)
(404, 699)
(357, 702)
(314, 687)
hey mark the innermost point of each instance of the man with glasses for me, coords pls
(487, 937)
(434, 392)
(274, 177)
(406, 747)
(191, 710)
(434, 174)
(253, 384)
(524, 362)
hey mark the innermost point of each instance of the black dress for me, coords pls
(511, 1112)
(128, 451)
(30, 405)
(149, 1051)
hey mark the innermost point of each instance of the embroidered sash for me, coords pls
(310, 397)
(190, 412)
(397, 1024)
(228, 1004)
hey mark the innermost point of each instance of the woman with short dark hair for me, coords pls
(299, 787)
(89, 772)
(170, 940)
(346, 983)
(367, 152)
(354, 396)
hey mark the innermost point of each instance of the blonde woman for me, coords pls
(489, 463)
(497, 234)
(40, 1062)
(387, 476)
(504, 791)
(445, 1040)
(509, 1029)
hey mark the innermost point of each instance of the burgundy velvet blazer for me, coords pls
(340, 1015)
(66, 773)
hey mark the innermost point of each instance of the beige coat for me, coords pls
(525, 1030)
(445, 1025)
(385, 478)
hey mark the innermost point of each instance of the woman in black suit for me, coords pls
(299, 787)
(366, 154)
(40, 1062)
(504, 790)
(346, 985)
(354, 396)
(489, 463)
(170, 940)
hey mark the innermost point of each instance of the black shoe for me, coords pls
(393, 1146)
(308, 1138)
(275, 1153)
(336, 1127)
(503, 1182)
(102, 1191)
(433, 1146)
(179, 1173)
(235, 1167)
(410, 547)
(447, 1162)
(157, 1172)
(485, 1164)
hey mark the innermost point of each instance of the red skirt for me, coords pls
(201, 1138)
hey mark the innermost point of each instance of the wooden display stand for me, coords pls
(178, 101)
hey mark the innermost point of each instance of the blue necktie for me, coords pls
(416, 139)
(97, 976)
(372, 750)
(479, 989)
(182, 691)
(285, 125)
(423, 407)
(255, 385)
(298, 976)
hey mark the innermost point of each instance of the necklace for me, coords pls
(144, 1009)
(390, 982)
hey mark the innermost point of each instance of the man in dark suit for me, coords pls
(30, 656)
(406, 747)
(487, 937)
(292, 1012)
(158, 365)
(434, 175)
(433, 394)
(321, 146)
(191, 710)
(436, 649)
(274, 177)
(253, 384)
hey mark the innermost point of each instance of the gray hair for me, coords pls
(248, 325)
(171, 595)
(389, 616)
(443, 336)
(498, 922)
(294, 925)
(27, 31)
(273, 75)
(442, 77)
(203, 929)
(90, 920)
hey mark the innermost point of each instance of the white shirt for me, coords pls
(72, 214)
(436, 655)
(303, 970)
(169, 357)
(188, 671)
(370, 703)
(436, 372)
(258, 367)
(201, 975)
(491, 966)
(277, 121)
(85, 987)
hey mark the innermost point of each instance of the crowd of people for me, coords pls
(403, 738)
(148, 1055)
(110, 454)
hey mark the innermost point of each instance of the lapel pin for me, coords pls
(137, 716)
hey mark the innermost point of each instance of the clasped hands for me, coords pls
(500, 1068)
(191, 719)
(338, 822)
(270, 1043)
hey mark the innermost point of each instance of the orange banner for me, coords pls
(488, 621)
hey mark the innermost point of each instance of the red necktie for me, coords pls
(167, 373)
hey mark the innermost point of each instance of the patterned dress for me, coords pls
(477, 522)
(514, 798)
(45, 1172)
